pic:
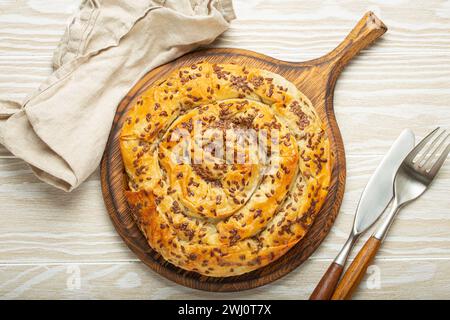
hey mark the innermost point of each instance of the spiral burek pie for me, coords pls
(227, 167)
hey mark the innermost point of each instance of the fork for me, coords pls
(411, 180)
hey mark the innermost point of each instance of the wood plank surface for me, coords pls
(403, 81)
(418, 279)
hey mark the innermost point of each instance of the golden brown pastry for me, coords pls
(227, 167)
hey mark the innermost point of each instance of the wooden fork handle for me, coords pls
(325, 288)
(356, 270)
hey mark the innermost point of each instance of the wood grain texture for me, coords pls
(325, 288)
(405, 82)
(316, 79)
(418, 279)
(357, 269)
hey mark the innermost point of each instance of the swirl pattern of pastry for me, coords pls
(227, 167)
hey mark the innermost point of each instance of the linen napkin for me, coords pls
(61, 129)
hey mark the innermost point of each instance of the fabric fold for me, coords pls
(61, 130)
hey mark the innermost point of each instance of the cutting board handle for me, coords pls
(368, 29)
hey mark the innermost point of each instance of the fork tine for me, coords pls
(420, 146)
(435, 168)
(430, 147)
(439, 147)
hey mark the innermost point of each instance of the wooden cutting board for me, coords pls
(316, 79)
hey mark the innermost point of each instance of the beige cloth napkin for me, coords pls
(61, 130)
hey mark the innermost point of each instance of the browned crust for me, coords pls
(224, 239)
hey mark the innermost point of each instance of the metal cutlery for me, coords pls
(413, 177)
(374, 200)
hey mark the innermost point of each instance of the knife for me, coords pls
(375, 198)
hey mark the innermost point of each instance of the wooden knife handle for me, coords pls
(357, 269)
(325, 288)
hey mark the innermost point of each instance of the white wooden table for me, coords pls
(59, 245)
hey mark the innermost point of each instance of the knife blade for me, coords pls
(379, 190)
(375, 197)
